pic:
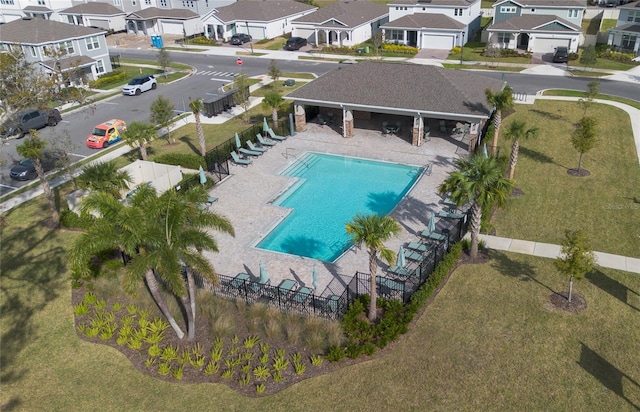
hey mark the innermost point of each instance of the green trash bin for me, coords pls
(366, 49)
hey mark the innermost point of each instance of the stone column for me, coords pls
(418, 131)
(347, 115)
(300, 118)
(474, 131)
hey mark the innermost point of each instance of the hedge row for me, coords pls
(114, 76)
(399, 48)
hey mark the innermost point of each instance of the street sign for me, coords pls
(239, 61)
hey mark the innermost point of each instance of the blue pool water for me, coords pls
(330, 192)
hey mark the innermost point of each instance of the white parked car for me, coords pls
(140, 84)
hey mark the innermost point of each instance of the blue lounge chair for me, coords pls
(420, 247)
(264, 142)
(400, 270)
(237, 160)
(254, 148)
(249, 152)
(432, 235)
(409, 254)
(275, 136)
(449, 215)
(302, 295)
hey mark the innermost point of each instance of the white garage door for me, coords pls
(257, 33)
(103, 24)
(171, 28)
(432, 41)
(544, 45)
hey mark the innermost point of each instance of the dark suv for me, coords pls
(561, 55)
(20, 124)
(294, 43)
(240, 38)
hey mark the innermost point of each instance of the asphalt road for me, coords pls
(211, 73)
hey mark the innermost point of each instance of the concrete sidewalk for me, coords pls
(551, 251)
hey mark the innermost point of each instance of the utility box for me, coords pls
(214, 104)
(289, 82)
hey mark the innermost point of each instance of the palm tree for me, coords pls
(517, 131)
(33, 149)
(480, 182)
(139, 134)
(373, 231)
(273, 101)
(502, 102)
(104, 177)
(197, 107)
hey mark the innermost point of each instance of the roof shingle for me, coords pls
(350, 13)
(530, 22)
(41, 31)
(261, 10)
(425, 21)
(103, 9)
(156, 13)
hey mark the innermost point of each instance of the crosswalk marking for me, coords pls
(216, 73)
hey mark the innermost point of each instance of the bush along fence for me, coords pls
(334, 302)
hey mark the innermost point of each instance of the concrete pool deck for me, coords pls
(245, 198)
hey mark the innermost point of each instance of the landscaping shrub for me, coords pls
(70, 219)
(186, 160)
(399, 48)
(114, 76)
(605, 51)
(202, 40)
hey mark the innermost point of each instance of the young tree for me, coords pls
(274, 71)
(104, 177)
(584, 137)
(577, 258)
(588, 57)
(139, 134)
(493, 51)
(33, 148)
(243, 93)
(502, 102)
(593, 89)
(372, 231)
(273, 101)
(197, 107)
(376, 41)
(517, 131)
(163, 60)
(478, 180)
(63, 146)
(162, 115)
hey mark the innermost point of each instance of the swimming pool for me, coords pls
(330, 191)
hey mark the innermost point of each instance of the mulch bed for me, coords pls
(560, 301)
(578, 173)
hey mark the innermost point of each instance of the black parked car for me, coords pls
(240, 38)
(294, 43)
(20, 124)
(26, 170)
(561, 55)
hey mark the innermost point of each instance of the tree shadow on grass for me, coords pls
(548, 115)
(535, 155)
(611, 286)
(187, 140)
(513, 268)
(606, 373)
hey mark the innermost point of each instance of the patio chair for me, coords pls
(413, 255)
(255, 148)
(237, 160)
(302, 295)
(432, 235)
(400, 270)
(249, 152)
(331, 304)
(449, 215)
(274, 136)
(420, 247)
(240, 280)
(263, 142)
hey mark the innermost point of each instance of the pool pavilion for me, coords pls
(413, 102)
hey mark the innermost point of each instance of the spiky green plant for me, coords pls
(260, 388)
(117, 306)
(177, 372)
(261, 372)
(154, 350)
(164, 368)
(227, 374)
(211, 368)
(149, 362)
(316, 360)
(250, 341)
(81, 309)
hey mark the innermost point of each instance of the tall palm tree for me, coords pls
(139, 134)
(197, 107)
(33, 149)
(273, 101)
(502, 102)
(372, 231)
(479, 181)
(104, 177)
(517, 131)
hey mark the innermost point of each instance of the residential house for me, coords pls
(164, 21)
(260, 19)
(85, 49)
(432, 24)
(537, 26)
(626, 34)
(102, 15)
(202, 7)
(345, 23)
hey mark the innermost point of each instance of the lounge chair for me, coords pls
(275, 136)
(237, 160)
(211, 200)
(264, 142)
(400, 270)
(331, 304)
(412, 255)
(302, 295)
(248, 152)
(254, 148)
(449, 215)
(420, 247)
(432, 235)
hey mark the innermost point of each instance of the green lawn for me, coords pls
(472, 52)
(602, 64)
(579, 93)
(496, 67)
(605, 205)
(133, 71)
(608, 24)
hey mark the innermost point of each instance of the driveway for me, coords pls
(432, 54)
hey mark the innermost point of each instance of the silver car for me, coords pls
(140, 84)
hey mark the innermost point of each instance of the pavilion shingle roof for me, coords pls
(425, 21)
(156, 13)
(96, 8)
(41, 31)
(351, 13)
(262, 10)
(418, 88)
(530, 22)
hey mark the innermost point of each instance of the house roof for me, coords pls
(156, 13)
(532, 22)
(37, 9)
(260, 10)
(96, 8)
(427, 3)
(69, 62)
(628, 28)
(425, 21)
(403, 86)
(547, 3)
(41, 31)
(350, 13)
(632, 6)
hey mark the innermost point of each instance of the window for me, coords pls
(71, 20)
(92, 43)
(506, 9)
(394, 35)
(163, 3)
(147, 2)
(573, 13)
(34, 53)
(187, 4)
(99, 67)
(633, 16)
(134, 3)
(41, 3)
(457, 12)
(504, 37)
(117, 3)
(67, 46)
(7, 2)
(533, 10)
(628, 42)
